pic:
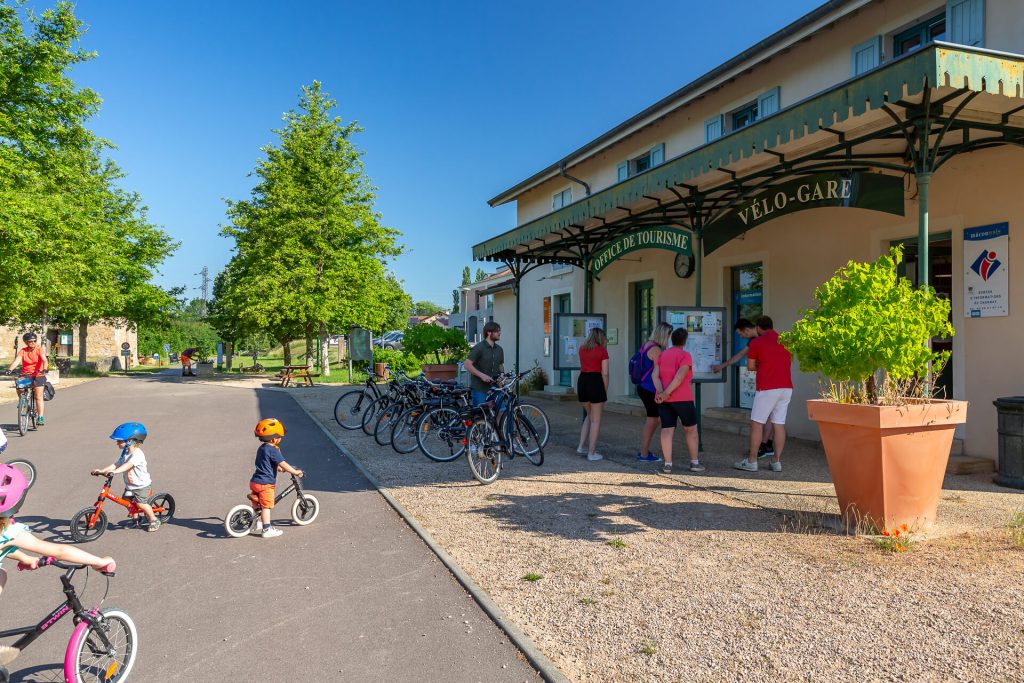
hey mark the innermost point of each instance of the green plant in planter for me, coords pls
(431, 341)
(870, 333)
(397, 360)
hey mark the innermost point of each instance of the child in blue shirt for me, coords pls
(269, 462)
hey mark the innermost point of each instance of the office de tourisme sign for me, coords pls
(671, 239)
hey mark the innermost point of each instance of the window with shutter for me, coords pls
(647, 160)
(768, 103)
(966, 22)
(560, 199)
(713, 128)
(622, 171)
(866, 56)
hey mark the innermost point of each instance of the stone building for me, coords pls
(103, 342)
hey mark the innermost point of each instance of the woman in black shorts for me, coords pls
(592, 390)
(646, 390)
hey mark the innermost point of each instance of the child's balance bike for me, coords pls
(89, 523)
(242, 519)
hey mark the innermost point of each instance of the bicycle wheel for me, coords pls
(368, 423)
(526, 441)
(305, 509)
(239, 520)
(483, 452)
(91, 660)
(538, 418)
(441, 435)
(22, 415)
(387, 418)
(165, 501)
(348, 411)
(27, 468)
(81, 532)
(403, 431)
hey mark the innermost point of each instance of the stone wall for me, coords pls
(104, 341)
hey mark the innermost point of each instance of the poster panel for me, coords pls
(986, 271)
(706, 337)
(359, 344)
(571, 330)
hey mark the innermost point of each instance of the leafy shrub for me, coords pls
(869, 319)
(397, 360)
(431, 341)
(536, 380)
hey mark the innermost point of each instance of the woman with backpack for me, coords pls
(592, 390)
(641, 372)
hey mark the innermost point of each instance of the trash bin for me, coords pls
(1011, 441)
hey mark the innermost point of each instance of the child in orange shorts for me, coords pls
(269, 462)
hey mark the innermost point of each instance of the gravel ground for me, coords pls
(718, 577)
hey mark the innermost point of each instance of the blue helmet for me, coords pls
(129, 431)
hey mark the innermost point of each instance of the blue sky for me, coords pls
(460, 100)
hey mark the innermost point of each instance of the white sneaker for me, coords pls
(776, 466)
(746, 465)
(271, 532)
(257, 529)
(581, 450)
(594, 457)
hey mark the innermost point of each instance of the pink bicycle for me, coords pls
(103, 645)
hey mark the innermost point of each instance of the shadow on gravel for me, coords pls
(590, 517)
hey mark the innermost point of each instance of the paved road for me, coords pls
(356, 596)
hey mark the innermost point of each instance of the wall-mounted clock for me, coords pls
(684, 265)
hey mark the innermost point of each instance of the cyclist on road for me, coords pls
(269, 462)
(33, 365)
(132, 464)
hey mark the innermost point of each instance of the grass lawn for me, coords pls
(274, 361)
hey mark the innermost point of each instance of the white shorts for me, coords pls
(771, 404)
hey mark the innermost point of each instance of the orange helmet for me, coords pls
(269, 428)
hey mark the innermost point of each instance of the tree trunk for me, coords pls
(287, 345)
(44, 342)
(309, 348)
(83, 337)
(325, 357)
(229, 348)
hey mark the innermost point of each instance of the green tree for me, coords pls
(455, 300)
(426, 308)
(309, 245)
(466, 277)
(480, 274)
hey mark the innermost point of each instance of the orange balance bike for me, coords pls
(89, 523)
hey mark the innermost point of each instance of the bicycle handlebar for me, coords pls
(47, 561)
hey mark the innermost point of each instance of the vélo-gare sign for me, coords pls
(671, 239)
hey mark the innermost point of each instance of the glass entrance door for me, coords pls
(747, 300)
(563, 303)
(940, 276)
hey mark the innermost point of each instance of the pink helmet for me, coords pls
(13, 486)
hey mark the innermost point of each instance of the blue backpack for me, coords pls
(640, 366)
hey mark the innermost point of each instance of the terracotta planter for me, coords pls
(381, 370)
(888, 462)
(440, 372)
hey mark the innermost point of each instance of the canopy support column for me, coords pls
(696, 212)
(519, 270)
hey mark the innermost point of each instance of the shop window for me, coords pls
(644, 162)
(560, 199)
(921, 34)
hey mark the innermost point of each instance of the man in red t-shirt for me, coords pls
(33, 365)
(773, 392)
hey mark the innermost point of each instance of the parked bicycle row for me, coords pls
(440, 420)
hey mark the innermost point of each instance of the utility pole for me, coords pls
(205, 287)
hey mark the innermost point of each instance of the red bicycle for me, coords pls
(89, 523)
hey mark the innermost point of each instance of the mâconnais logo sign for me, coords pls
(986, 264)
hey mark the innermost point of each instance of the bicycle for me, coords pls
(27, 468)
(89, 523)
(242, 519)
(348, 410)
(443, 399)
(27, 410)
(104, 643)
(498, 430)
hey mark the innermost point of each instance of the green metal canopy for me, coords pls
(908, 116)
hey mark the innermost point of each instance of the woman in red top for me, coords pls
(592, 389)
(33, 364)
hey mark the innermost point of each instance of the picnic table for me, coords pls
(297, 374)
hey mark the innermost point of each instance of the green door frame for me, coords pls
(643, 316)
(564, 305)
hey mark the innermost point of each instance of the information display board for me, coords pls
(359, 344)
(706, 340)
(571, 330)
